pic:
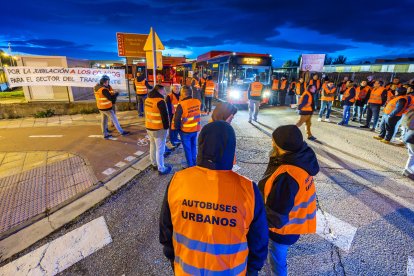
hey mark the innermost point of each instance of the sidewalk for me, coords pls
(46, 163)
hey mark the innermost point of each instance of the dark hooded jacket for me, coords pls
(282, 195)
(107, 94)
(216, 148)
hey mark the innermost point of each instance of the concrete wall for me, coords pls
(10, 111)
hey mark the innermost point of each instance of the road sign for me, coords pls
(131, 45)
(150, 60)
(158, 44)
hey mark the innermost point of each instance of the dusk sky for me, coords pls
(360, 30)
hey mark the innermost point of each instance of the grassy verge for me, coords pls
(18, 93)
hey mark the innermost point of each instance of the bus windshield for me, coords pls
(245, 74)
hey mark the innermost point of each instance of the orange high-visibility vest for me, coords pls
(346, 95)
(190, 120)
(299, 88)
(153, 118)
(390, 95)
(316, 83)
(410, 103)
(188, 81)
(292, 86)
(174, 102)
(302, 217)
(361, 94)
(308, 105)
(282, 84)
(275, 84)
(140, 87)
(102, 102)
(328, 94)
(376, 95)
(210, 87)
(256, 89)
(211, 212)
(393, 104)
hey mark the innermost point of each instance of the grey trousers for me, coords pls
(253, 108)
(109, 115)
(157, 140)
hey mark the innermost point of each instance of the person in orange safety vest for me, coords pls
(187, 120)
(289, 194)
(306, 107)
(393, 112)
(105, 99)
(213, 220)
(172, 103)
(141, 87)
(254, 94)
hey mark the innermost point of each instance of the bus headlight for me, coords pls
(266, 94)
(235, 94)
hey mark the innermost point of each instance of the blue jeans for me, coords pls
(373, 111)
(358, 110)
(277, 258)
(189, 141)
(325, 105)
(346, 114)
(174, 136)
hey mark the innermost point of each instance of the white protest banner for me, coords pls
(60, 76)
(312, 63)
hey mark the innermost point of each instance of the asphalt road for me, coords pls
(360, 184)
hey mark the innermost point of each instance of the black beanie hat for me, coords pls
(288, 138)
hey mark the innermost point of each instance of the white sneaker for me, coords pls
(319, 119)
(327, 120)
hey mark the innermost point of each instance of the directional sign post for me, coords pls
(153, 44)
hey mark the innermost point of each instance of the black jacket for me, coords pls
(162, 106)
(346, 101)
(107, 95)
(282, 195)
(170, 105)
(218, 154)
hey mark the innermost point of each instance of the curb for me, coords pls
(28, 236)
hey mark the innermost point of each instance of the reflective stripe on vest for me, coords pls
(308, 105)
(256, 89)
(102, 102)
(140, 87)
(347, 94)
(210, 85)
(191, 116)
(302, 217)
(390, 107)
(275, 85)
(328, 94)
(210, 221)
(153, 118)
(376, 95)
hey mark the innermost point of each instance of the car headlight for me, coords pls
(266, 94)
(235, 94)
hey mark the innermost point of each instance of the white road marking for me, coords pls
(58, 255)
(130, 158)
(95, 136)
(120, 164)
(108, 171)
(236, 168)
(138, 153)
(45, 136)
(410, 266)
(334, 230)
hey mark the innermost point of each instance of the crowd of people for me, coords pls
(214, 220)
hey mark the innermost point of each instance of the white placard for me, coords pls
(61, 76)
(313, 63)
